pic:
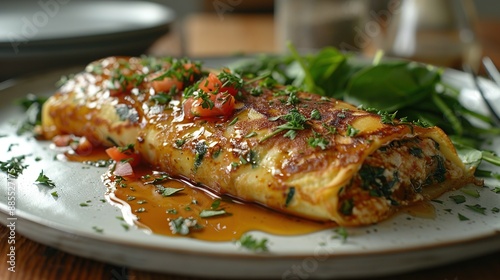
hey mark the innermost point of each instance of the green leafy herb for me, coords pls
(294, 121)
(342, 233)
(212, 213)
(346, 207)
(315, 114)
(249, 242)
(54, 194)
(167, 191)
(289, 196)
(14, 166)
(495, 210)
(477, 208)
(200, 151)
(233, 121)
(318, 141)
(215, 204)
(462, 217)
(98, 229)
(470, 192)
(161, 98)
(171, 211)
(458, 198)
(352, 131)
(183, 226)
(162, 178)
(44, 180)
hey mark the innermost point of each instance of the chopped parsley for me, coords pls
(44, 180)
(289, 196)
(315, 115)
(462, 217)
(249, 242)
(294, 121)
(470, 192)
(341, 233)
(167, 191)
(14, 166)
(318, 141)
(347, 206)
(183, 226)
(162, 98)
(458, 198)
(54, 194)
(200, 151)
(477, 208)
(352, 131)
(212, 213)
(98, 229)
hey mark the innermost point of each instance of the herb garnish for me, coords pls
(14, 166)
(249, 242)
(318, 141)
(341, 232)
(477, 208)
(352, 131)
(295, 121)
(167, 191)
(183, 226)
(200, 151)
(289, 196)
(44, 180)
(462, 217)
(458, 198)
(212, 213)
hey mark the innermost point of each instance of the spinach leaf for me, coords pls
(391, 86)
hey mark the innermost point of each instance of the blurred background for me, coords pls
(44, 34)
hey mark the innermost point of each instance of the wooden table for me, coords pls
(203, 36)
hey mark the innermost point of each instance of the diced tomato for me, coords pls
(223, 106)
(83, 147)
(210, 83)
(124, 155)
(166, 84)
(222, 98)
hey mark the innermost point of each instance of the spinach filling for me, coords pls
(382, 178)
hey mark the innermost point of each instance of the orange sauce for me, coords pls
(143, 206)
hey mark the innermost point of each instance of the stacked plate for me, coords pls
(53, 33)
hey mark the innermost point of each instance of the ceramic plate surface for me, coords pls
(54, 33)
(401, 244)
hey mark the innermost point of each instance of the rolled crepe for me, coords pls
(289, 150)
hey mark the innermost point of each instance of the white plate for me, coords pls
(401, 244)
(53, 33)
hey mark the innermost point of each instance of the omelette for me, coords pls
(256, 140)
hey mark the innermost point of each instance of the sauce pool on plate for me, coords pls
(153, 200)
